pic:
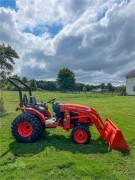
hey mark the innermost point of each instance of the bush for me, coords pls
(2, 108)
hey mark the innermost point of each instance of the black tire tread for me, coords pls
(37, 128)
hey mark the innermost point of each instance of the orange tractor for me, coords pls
(35, 118)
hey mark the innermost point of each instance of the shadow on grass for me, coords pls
(59, 143)
(4, 114)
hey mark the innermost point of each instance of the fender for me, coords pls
(36, 113)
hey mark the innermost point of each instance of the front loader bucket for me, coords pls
(113, 135)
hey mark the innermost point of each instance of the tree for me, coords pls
(85, 89)
(7, 60)
(110, 87)
(15, 76)
(51, 86)
(33, 84)
(66, 79)
(102, 86)
(7, 56)
(24, 79)
(79, 87)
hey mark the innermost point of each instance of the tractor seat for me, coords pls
(41, 109)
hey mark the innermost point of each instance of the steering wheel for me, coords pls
(51, 100)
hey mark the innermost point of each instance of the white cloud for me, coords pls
(31, 13)
(97, 40)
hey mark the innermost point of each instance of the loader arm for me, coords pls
(109, 132)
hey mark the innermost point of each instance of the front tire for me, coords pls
(81, 135)
(26, 128)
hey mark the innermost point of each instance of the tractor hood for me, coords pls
(74, 107)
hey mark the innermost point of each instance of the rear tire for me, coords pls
(81, 134)
(26, 128)
(43, 127)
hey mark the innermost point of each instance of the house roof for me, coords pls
(131, 74)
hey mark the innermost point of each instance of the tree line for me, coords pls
(41, 85)
(65, 80)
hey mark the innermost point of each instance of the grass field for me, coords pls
(55, 156)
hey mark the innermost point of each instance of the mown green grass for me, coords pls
(55, 156)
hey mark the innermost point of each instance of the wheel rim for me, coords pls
(80, 136)
(25, 129)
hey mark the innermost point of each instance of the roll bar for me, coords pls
(15, 81)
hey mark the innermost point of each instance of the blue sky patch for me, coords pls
(101, 14)
(41, 29)
(37, 31)
(54, 29)
(8, 4)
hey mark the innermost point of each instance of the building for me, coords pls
(130, 83)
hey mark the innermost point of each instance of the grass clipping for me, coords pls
(2, 108)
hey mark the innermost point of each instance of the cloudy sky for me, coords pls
(94, 38)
